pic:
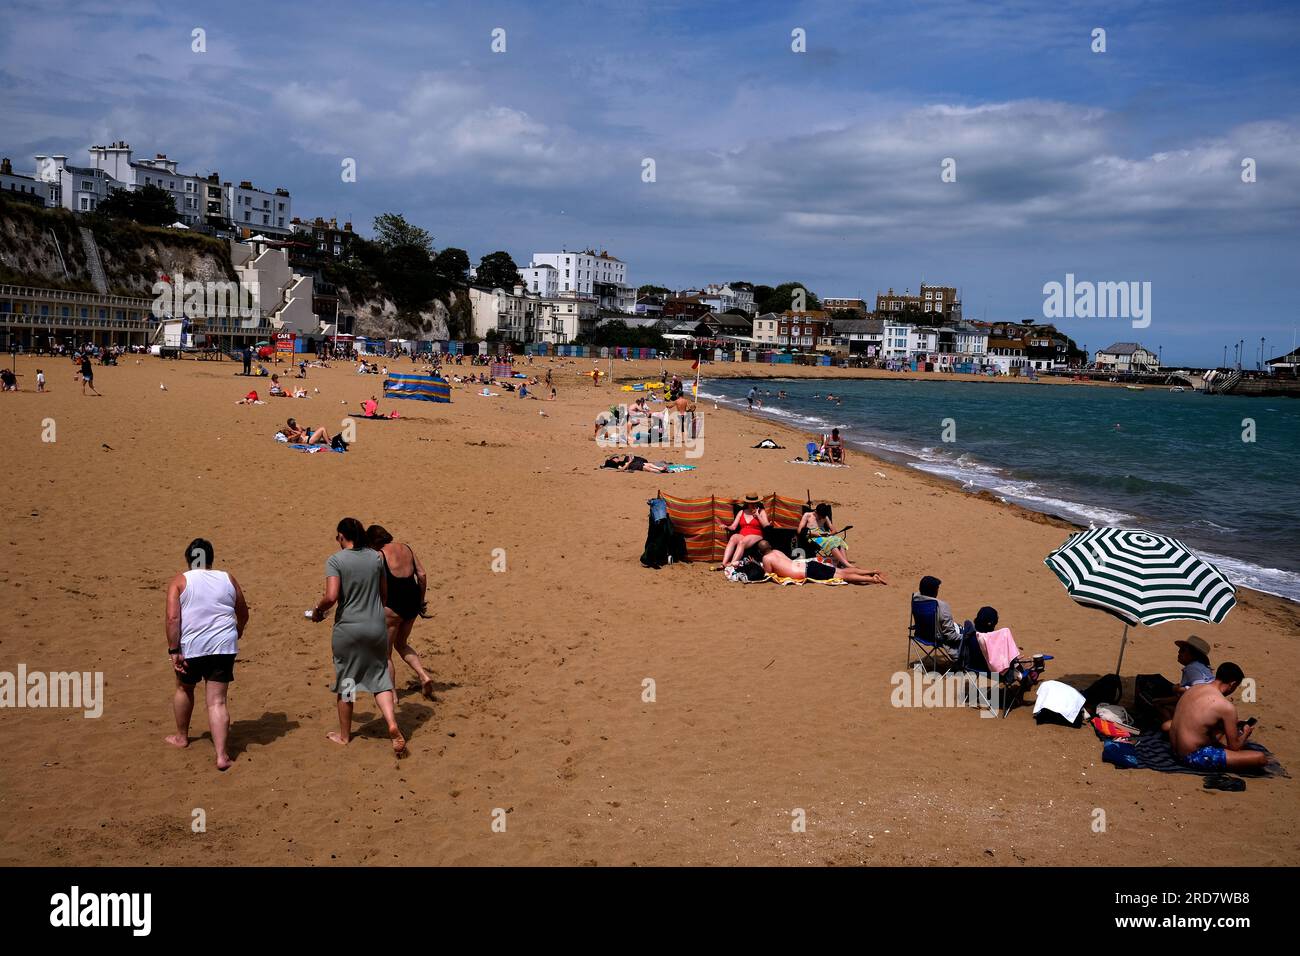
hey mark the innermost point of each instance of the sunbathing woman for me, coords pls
(277, 390)
(774, 562)
(817, 524)
(747, 528)
(304, 436)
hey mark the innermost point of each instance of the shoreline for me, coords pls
(769, 370)
(1025, 510)
(952, 485)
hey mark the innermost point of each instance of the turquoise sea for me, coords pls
(1173, 462)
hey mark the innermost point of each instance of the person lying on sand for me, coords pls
(634, 463)
(774, 562)
(250, 399)
(1205, 731)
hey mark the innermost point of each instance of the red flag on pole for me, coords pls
(696, 364)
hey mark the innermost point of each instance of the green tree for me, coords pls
(497, 271)
(781, 298)
(452, 264)
(652, 290)
(392, 231)
(148, 205)
(761, 295)
(617, 332)
(407, 273)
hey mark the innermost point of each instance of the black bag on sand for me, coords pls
(664, 544)
(1104, 690)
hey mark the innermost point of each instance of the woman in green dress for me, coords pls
(354, 580)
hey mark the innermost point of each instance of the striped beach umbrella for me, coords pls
(1141, 578)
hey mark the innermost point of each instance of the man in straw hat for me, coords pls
(1194, 656)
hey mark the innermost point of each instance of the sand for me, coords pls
(768, 700)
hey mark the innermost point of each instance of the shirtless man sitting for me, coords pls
(1205, 731)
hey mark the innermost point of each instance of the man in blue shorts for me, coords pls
(1205, 732)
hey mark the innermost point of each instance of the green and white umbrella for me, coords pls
(1141, 578)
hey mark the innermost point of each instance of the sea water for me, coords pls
(1218, 472)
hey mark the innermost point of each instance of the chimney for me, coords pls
(5, 167)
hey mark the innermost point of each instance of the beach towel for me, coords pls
(1058, 698)
(822, 464)
(999, 649)
(1155, 752)
(677, 468)
(832, 582)
(312, 449)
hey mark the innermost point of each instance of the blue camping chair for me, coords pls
(923, 645)
(1010, 685)
(814, 452)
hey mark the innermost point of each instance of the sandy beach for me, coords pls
(768, 700)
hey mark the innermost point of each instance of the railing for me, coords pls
(65, 321)
(65, 295)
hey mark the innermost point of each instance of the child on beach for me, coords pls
(40, 380)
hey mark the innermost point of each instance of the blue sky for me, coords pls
(771, 165)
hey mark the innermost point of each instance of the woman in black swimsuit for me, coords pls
(405, 601)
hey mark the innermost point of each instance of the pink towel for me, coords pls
(999, 649)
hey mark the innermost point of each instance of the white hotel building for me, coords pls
(198, 199)
(589, 273)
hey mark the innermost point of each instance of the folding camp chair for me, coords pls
(999, 694)
(814, 452)
(923, 644)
